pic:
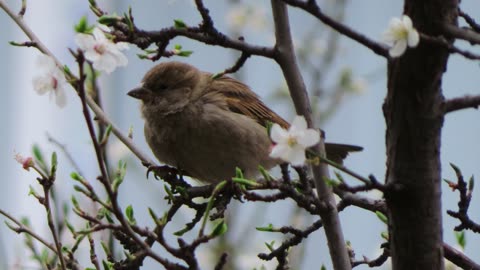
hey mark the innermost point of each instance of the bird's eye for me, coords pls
(162, 87)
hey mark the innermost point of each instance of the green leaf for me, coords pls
(266, 175)
(269, 126)
(331, 182)
(119, 175)
(32, 191)
(77, 177)
(181, 232)
(169, 193)
(179, 24)
(245, 182)
(154, 216)
(130, 215)
(66, 69)
(83, 27)
(219, 229)
(345, 79)
(128, 21)
(217, 75)
(270, 245)
(105, 247)
(109, 19)
(80, 189)
(339, 177)
(185, 53)
(10, 225)
(108, 131)
(461, 239)
(382, 217)
(38, 155)
(70, 227)
(471, 183)
(238, 173)
(107, 265)
(323, 267)
(269, 228)
(25, 221)
(53, 169)
(75, 203)
(142, 56)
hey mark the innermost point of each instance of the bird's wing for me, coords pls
(241, 99)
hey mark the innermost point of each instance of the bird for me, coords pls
(207, 126)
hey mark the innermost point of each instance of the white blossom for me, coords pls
(291, 144)
(52, 79)
(103, 52)
(400, 34)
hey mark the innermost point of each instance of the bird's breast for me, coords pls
(210, 142)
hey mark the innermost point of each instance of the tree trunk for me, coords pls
(413, 112)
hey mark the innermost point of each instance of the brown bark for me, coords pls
(413, 111)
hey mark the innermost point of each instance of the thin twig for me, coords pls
(65, 151)
(312, 8)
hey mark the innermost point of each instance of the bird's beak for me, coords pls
(139, 93)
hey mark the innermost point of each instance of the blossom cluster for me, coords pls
(102, 52)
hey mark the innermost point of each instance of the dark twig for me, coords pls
(443, 42)
(238, 64)
(293, 241)
(460, 103)
(465, 192)
(23, 9)
(379, 261)
(65, 151)
(222, 262)
(46, 185)
(312, 8)
(473, 24)
(207, 23)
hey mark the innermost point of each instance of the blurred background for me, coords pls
(347, 83)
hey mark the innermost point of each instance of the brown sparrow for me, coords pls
(208, 126)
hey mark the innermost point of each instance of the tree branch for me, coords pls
(461, 33)
(285, 57)
(461, 103)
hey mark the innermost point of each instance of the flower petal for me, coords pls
(398, 49)
(98, 34)
(60, 98)
(42, 84)
(413, 38)
(309, 138)
(298, 123)
(297, 156)
(407, 22)
(84, 41)
(279, 150)
(278, 134)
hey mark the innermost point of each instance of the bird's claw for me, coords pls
(160, 171)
